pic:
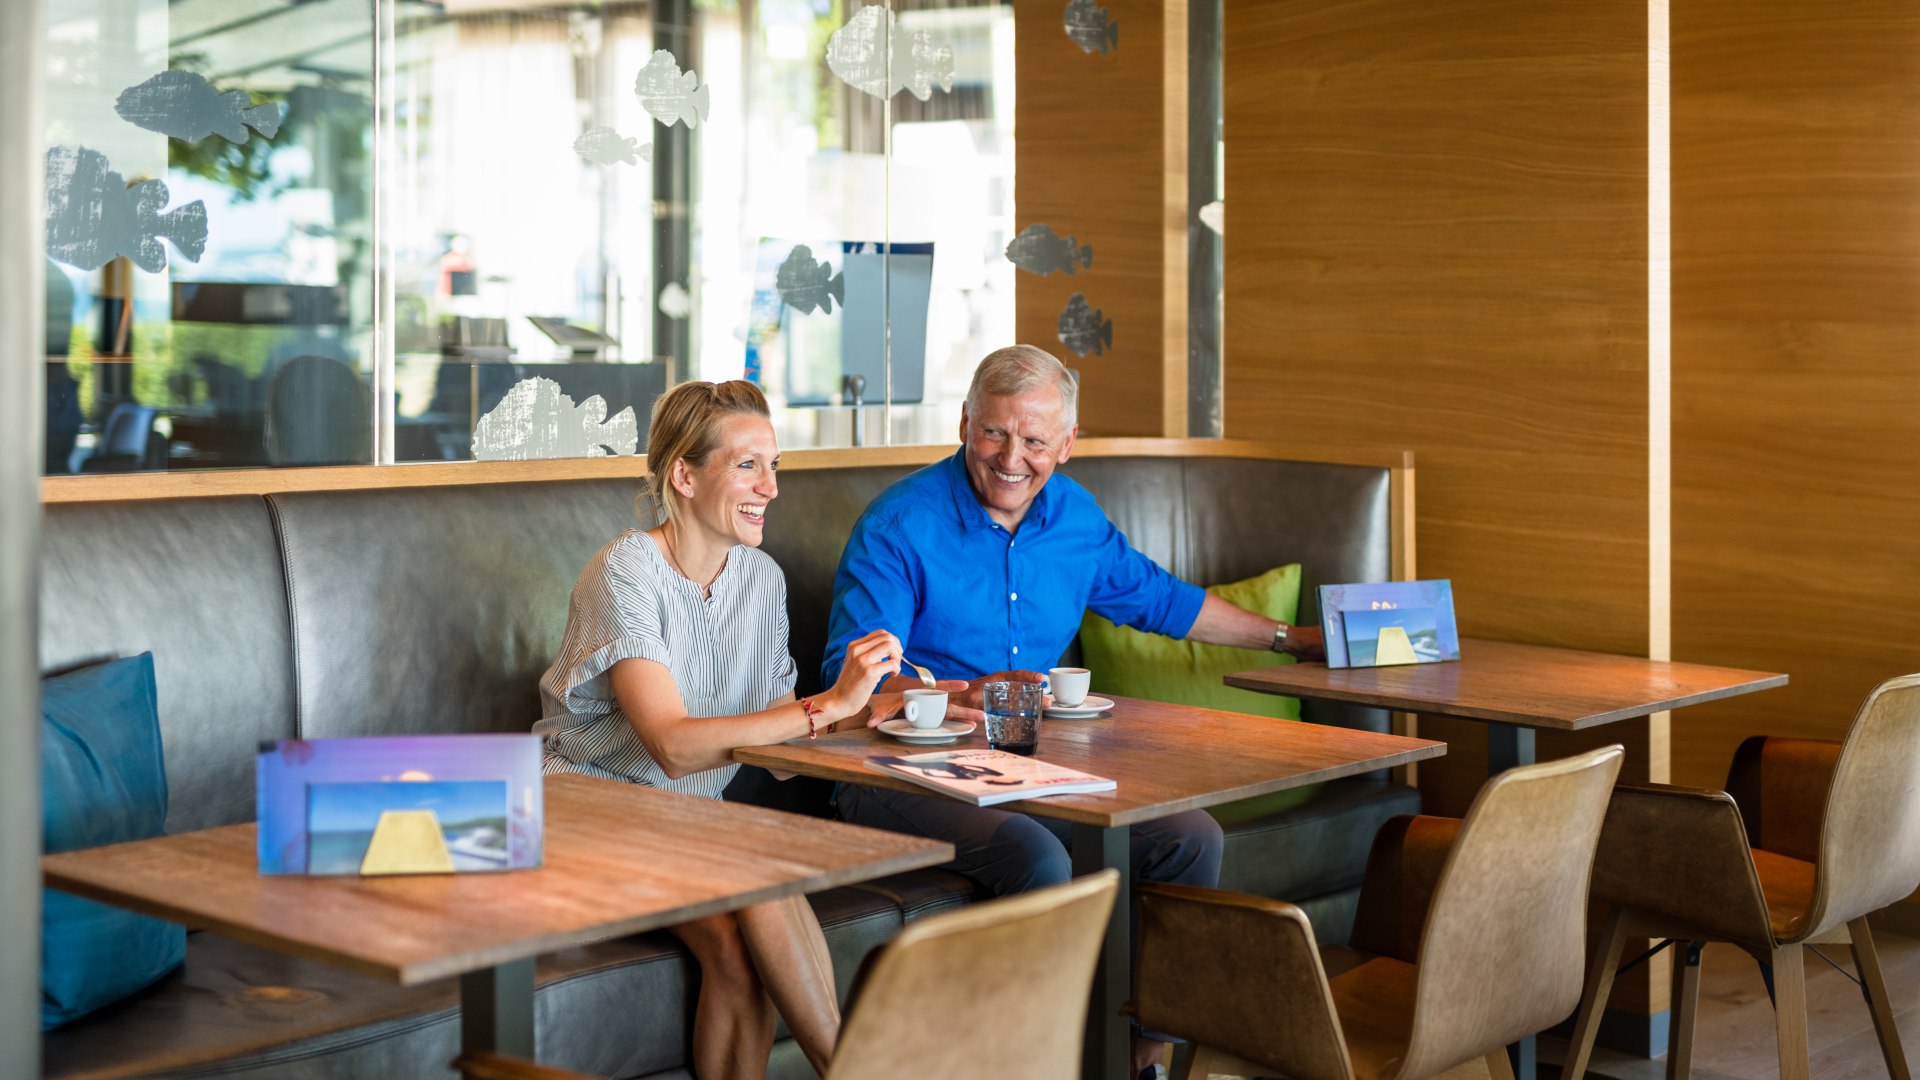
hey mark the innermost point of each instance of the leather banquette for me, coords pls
(421, 610)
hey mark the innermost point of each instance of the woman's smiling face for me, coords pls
(731, 490)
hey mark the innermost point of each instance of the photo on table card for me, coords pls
(1383, 637)
(404, 826)
(469, 802)
(1384, 623)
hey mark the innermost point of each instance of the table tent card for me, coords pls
(407, 804)
(1380, 624)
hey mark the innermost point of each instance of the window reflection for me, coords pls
(541, 221)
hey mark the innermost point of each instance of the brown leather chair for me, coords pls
(1469, 937)
(1809, 837)
(1007, 978)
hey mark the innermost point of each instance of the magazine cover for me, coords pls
(985, 777)
(470, 802)
(1377, 624)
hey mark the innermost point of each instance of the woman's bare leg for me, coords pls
(790, 953)
(733, 1021)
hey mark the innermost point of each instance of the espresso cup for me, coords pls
(926, 709)
(1069, 685)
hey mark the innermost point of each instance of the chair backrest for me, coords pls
(1870, 834)
(994, 989)
(126, 430)
(1501, 955)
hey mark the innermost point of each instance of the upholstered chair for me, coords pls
(997, 989)
(1469, 937)
(1809, 837)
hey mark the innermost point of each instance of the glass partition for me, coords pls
(299, 232)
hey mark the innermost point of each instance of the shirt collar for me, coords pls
(966, 503)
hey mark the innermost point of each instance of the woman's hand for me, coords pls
(869, 660)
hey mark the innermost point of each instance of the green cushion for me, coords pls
(1133, 664)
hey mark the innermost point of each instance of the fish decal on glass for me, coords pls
(1037, 249)
(675, 302)
(805, 284)
(668, 94)
(1091, 28)
(605, 146)
(858, 53)
(1085, 328)
(184, 105)
(93, 216)
(538, 420)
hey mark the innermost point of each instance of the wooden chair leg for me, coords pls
(1593, 998)
(1686, 1003)
(1790, 1010)
(1498, 1067)
(1867, 959)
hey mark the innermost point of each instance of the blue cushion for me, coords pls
(103, 782)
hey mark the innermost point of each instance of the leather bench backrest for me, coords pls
(198, 582)
(428, 610)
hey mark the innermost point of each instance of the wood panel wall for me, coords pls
(1796, 375)
(1440, 229)
(1101, 155)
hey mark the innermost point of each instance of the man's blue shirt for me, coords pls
(968, 598)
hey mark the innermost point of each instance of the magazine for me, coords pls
(986, 777)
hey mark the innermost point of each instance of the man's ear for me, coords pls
(1066, 445)
(963, 424)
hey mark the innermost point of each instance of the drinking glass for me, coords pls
(1013, 715)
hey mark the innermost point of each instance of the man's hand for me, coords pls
(1306, 643)
(892, 695)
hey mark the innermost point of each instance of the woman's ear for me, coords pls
(681, 477)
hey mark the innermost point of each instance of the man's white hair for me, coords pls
(1017, 369)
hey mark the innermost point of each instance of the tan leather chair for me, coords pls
(1469, 937)
(1814, 836)
(997, 989)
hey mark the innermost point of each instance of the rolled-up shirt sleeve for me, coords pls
(874, 589)
(612, 617)
(1133, 590)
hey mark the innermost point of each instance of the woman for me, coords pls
(676, 653)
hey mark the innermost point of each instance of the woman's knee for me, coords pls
(720, 949)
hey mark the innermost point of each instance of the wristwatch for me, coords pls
(1280, 637)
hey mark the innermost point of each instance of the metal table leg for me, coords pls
(496, 1009)
(1109, 1048)
(1508, 746)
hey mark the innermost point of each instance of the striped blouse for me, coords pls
(727, 653)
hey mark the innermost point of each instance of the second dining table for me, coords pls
(1164, 759)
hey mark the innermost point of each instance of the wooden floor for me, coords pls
(1735, 1041)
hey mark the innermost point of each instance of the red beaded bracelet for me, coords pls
(807, 706)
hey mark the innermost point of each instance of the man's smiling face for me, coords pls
(1012, 447)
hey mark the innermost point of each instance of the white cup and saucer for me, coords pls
(924, 720)
(1070, 698)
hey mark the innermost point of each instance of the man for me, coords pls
(983, 565)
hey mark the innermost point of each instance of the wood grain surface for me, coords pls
(1165, 759)
(1527, 685)
(1796, 358)
(620, 859)
(1439, 240)
(1101, 155)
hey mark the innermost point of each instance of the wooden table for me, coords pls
(620, 859)
(1517, 690)
(1165, 759)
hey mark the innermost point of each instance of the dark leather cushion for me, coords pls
(1318, 847)
(426, 610)
(197, 582)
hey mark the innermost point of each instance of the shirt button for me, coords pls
(1013, 596)
(1016, 650)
